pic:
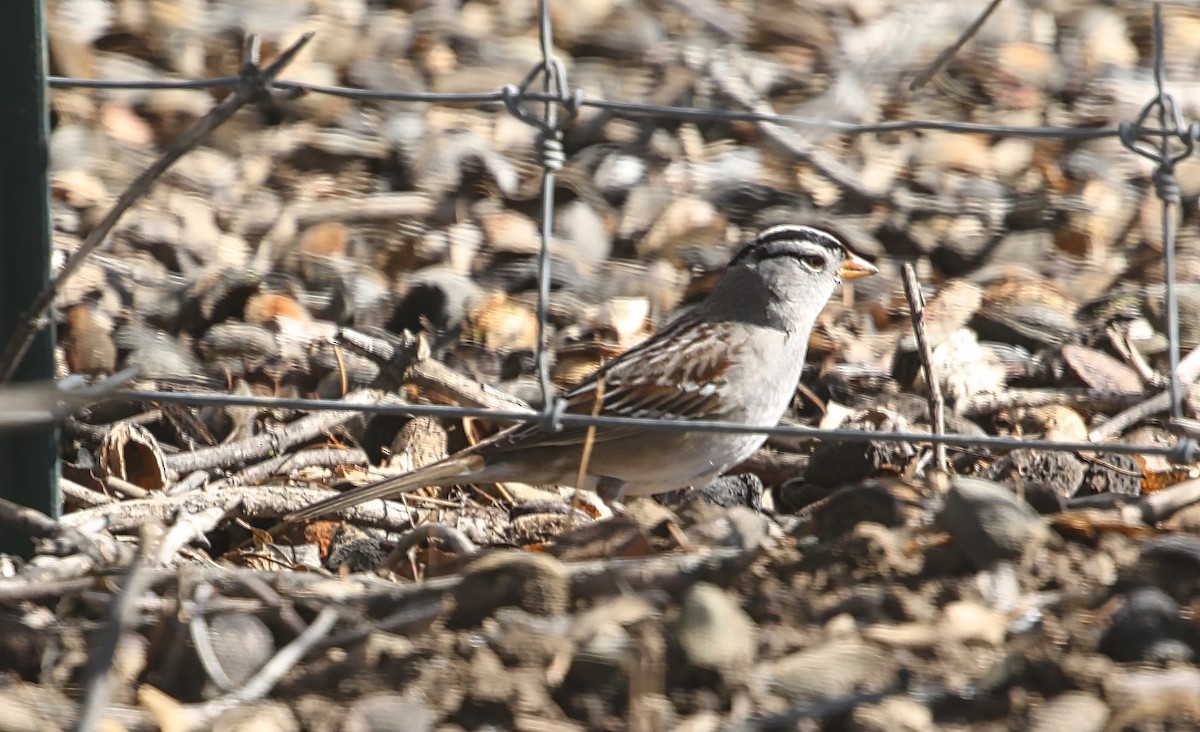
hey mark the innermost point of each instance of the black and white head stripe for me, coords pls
(768, 241)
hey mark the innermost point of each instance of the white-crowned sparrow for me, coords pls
(736, 356)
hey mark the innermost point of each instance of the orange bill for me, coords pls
(855, 267)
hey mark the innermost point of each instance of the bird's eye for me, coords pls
(814, 262)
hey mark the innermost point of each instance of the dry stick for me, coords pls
(1161, 505)
(131, 490)
(34, 403)
(456, 542)
(937, 405)
(416, 615)
(980, 405)
(588, 579)
(123, 613)
(84, 552)
(1186, 426)
(924, 77)
(271, 443)
(313, 457)
(30, 522)
(13, 591)
(435, 377)
(202, 640)
(284, 609)
(406, 358)
(252, 87)
(271, 672)
(590, 437)
(1187, 373)
(248, 501)
(1133, 356)
(369, 208)
(343, 378)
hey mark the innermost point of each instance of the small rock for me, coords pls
(488, 681)
(242, 644)
(743, 489)
(1061, 471)
(1188, 297)
(536, 583)
(835, 463)
(893, 714)
(438, 295)
(738, 527)
(988, 522)
(1147, 628)
(871, 501)
(268, 716)
(968, 622)
(1079, 711)
(158, 353)
(831, 671)
(1112, 473)
(1177, 551)
(385, 711)
(713, 630)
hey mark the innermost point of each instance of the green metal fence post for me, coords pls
(28, 459)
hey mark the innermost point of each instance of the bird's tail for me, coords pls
(452, 470)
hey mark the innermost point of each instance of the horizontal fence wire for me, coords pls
(561, 102)
(632, 109)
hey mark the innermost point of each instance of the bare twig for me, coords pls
(1161, 505)
(253, 86)
(202, 640)
(98, 688)
(455, 541)
(936, 65)
(292, 462)
(937, 405)
(40, 403)
(589, 437)
(978, 405)
(20, 589)
(32, 523)
(404, 358)
(270, 674)
(1185, 375)
(437, 378)
(273, 442)
(248, 501)
(374, 207)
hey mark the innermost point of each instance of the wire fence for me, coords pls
(1159, 134)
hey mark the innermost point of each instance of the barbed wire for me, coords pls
(559, 98)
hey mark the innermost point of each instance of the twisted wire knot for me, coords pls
(551, 154)
(1166, 185)
(1185, 452)
(550, 419)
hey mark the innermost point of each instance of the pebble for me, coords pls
(714, 631)
(242, 644)
(988, 522)
(386, 711)
(536, 583)
(893, 714)
(1148, 627)
(1078, 711)
(830, 671)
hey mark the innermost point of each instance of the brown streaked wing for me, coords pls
(674, 374)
